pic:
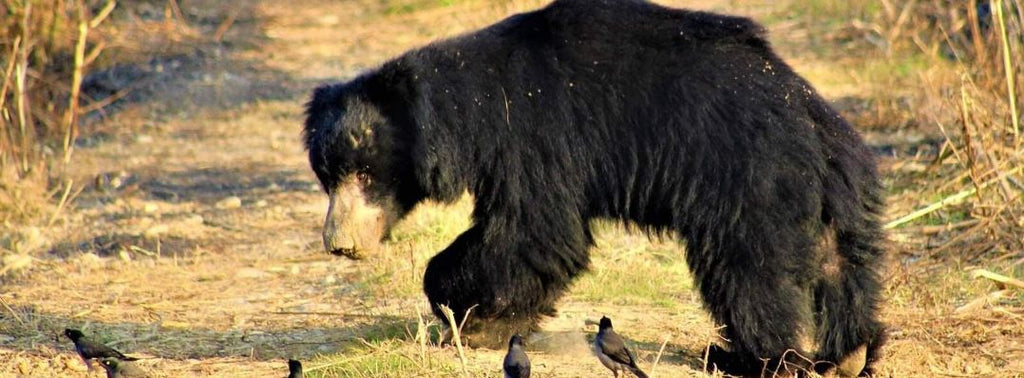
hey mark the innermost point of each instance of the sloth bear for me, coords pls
(669, 120)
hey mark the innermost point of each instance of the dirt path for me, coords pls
(206, 258)
(208, 243)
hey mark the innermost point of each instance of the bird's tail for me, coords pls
(639, 373)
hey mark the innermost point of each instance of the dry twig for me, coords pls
(661, 350)
(999, 278)
(456, 330)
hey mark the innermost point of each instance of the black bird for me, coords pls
(517, 365)
(294, 369)
(612, 351)
(121, 369)
(89, 349)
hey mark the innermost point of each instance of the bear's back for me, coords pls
(649, 22)
(603, 29)
(620, 22)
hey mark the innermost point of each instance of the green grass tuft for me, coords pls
(380, 359)
(617, 260)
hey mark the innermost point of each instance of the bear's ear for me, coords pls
(402, 98)
(325, 95)
(322, 110)
(393, 89)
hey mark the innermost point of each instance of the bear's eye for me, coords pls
(363, 177)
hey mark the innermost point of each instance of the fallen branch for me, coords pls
(951, 200)
(981, 301)
(1001, 280)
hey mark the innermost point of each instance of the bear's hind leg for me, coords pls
(849, 332)
(847, 296)
(762, 303)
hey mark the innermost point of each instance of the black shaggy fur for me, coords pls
(668, 119)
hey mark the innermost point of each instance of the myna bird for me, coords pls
(612, 351)
(294, 369)
(517, 364)
(121, 369)
(89, 349)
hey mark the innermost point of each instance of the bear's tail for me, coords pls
(848, 294)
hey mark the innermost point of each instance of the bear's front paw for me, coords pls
(489, 333)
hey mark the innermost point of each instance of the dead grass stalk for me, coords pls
(971, 94)
(456, 330)
(1011, 87)
(38, 99)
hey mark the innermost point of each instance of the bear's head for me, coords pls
(362, 163)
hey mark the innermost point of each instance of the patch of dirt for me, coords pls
(116, 244)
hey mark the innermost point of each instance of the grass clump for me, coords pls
(949, 72)
(45, 50)
(389, 358)
(617, 259)
(426, 231)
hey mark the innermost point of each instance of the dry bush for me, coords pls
(45, 50)
(970, 201)
(48, 48)
(979, 111)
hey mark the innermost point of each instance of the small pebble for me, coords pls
(232, 202)
(155, 231)
(250, 273)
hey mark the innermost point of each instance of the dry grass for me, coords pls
(944, 74)
(189, 235)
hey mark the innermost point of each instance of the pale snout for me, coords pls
(353, 227)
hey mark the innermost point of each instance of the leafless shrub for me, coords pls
(45, 49)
